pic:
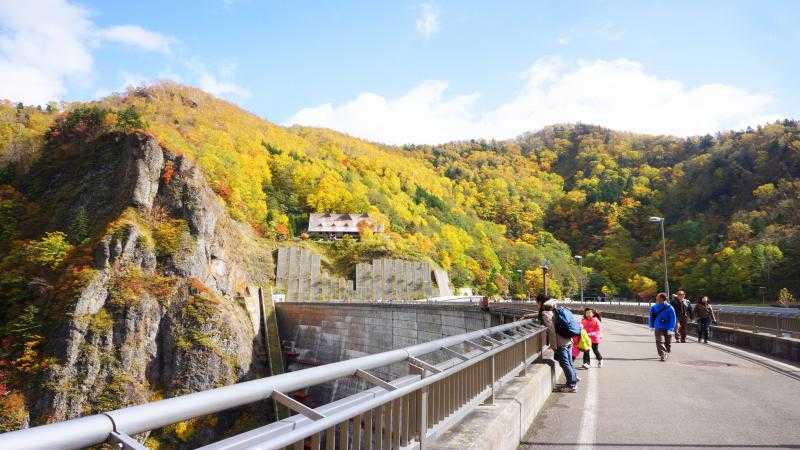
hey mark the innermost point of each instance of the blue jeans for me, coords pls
(564, 357)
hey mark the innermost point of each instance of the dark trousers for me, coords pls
(663, 342)
(587, 358)
(702, 328)
(682, 328)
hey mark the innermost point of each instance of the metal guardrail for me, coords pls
(780, 326)
(402, 413)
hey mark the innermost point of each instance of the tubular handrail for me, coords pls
(92, 430)
(755, 322)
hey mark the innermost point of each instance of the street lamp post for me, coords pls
(545, 268)
(580, 276)
(660, 220)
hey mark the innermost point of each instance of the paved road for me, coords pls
(702, 396)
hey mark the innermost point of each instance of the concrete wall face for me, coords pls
(300, 274)
(323, 333)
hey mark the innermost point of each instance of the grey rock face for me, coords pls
(149, 323)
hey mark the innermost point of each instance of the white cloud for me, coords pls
(618, 94)
(41, 44)
(563, 39)
(221, 87)
(137, 36)
(46, 44)
(421, 115)
(428, 20)
(133, 80)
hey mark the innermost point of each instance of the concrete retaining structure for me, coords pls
(323, 333)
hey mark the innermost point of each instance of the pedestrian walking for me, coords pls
(561, 344)
(705, 317)
(663, 321)
(591, 323)
(683, 314)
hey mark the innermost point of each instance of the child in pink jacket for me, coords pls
(591, 323)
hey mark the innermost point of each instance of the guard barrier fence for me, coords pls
(447, 379)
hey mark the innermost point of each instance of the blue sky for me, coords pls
(427, 71)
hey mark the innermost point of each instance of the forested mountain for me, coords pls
(730, 203)
(132, 207)
(483, 210)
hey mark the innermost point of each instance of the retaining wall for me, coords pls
(323, 333)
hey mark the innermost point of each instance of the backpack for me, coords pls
(565, 323)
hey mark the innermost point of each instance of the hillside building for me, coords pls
(336, 225)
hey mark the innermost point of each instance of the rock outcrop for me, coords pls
(161, 310)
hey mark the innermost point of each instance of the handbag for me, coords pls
(585, 343)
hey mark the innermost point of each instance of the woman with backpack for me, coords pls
(591, 323)
(561, 327)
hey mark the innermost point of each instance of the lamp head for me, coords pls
(655, 219)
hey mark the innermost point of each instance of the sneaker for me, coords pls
(569, 389)
(663, 357)
(600, 363)
(586, 365)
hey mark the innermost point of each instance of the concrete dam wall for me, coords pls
(321, 333)
(301, 276)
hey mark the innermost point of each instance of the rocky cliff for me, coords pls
(157, 302)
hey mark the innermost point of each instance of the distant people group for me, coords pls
(673, 316)
(568, 337)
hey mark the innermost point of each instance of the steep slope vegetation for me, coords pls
(272, 177)
(730, 203)
(142, 297)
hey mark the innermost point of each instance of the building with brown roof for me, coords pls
(336, 225)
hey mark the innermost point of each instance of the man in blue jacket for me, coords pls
(663, 320)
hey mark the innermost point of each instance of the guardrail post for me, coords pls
(490, 400)
(755, 325)
(125, 442)
(423, 417)
(778, 329)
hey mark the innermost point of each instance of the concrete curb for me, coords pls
(502, 426)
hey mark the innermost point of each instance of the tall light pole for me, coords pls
(660, 220)
(545, 268)
(580, 277)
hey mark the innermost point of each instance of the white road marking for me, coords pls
(587, 434)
